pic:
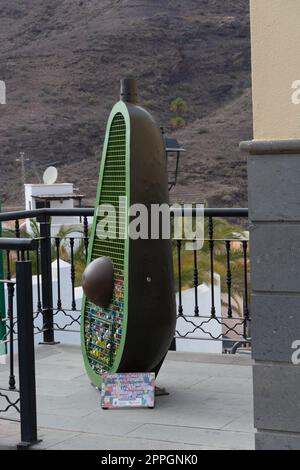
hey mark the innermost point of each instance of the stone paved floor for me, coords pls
(209, 406)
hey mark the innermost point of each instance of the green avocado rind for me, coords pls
(96, 378)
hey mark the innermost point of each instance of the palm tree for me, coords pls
(178, 107)
(223, 231)
(63, 247)
(63, 240)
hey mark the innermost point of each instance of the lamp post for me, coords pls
(22, 159)
(173, 154)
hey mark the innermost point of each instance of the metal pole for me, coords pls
(26, 354)
(46, 272)
(23, 161)
(2, 302)
(10, 292)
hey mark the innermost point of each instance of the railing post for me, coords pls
(46, 272)
(26, 354)
(10, 311)
(2, 301)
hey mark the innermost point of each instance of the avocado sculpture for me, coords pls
(128, 313)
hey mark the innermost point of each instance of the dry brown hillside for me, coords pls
(62, 61)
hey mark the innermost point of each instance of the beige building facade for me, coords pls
(275, 42)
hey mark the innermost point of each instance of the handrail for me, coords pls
(89, 212)
(211, 212)
(28, 244)
(27, 214)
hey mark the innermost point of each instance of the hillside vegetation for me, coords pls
(62, 61)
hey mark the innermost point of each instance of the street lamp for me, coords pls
(173, 153)
(22, 159)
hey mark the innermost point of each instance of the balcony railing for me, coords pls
(221, 267)
(17, 337)
(211, 285)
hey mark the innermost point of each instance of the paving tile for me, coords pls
(190, 407)
(207, 369)
(232, 385)
(46, 387)
(68, 358)
(77, 404)
(209, 406)
(57, 372)
(8, 428)
(9, 434)
(211, 358)
(242, 423)
(196, 436)
(92, 442)
(208, 413)
(52, 437)
(112, 425)
(170, 381)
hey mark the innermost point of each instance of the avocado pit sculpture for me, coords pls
(128, 314)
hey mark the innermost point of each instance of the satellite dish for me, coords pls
(50, 175)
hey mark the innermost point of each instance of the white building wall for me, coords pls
(202, 328)
(55, 190)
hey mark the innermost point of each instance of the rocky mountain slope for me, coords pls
(62, 61)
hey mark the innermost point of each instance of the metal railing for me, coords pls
(227, 319)
(18, 338)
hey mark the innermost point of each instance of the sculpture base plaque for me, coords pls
(128, 390)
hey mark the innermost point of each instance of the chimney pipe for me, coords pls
(128, 90)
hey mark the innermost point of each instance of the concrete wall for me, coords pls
(274, 211)
(276, 66)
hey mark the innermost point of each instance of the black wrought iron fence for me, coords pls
(221, 268)
(47, 293)
(18, 394)
(222, 265)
